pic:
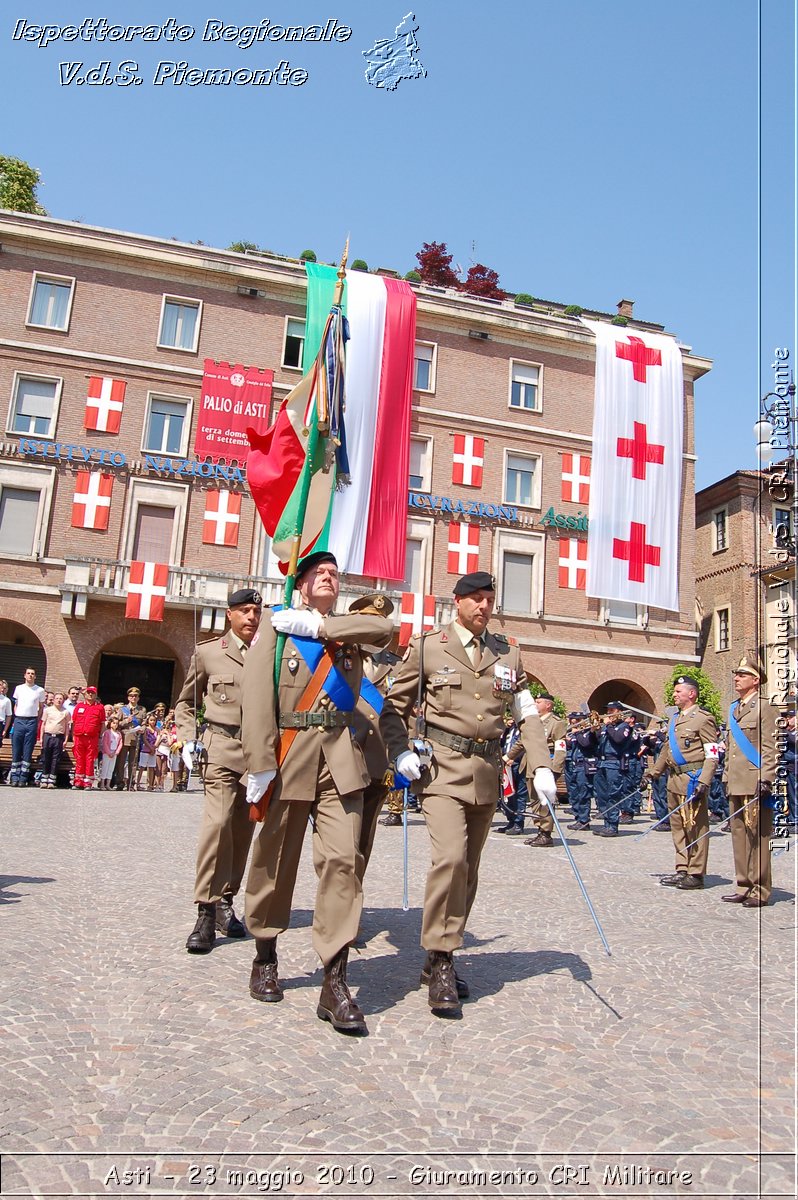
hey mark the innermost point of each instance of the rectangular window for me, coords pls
(720, 537)
(722, 633)
(50, 302)
(517, 580)
(34, 406)
(782, 526)
(153, 537)
(420, 456)
(424, 367)
(294, 343)
(620, 612)
(525, 386)
(414, 566)
(520, 480)
(19, 518)
(180, 322)
(166, 428)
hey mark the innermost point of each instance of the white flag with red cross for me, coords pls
(636, 471)
(417, 615)
(91, 502)
(222, 518)
(104, 404)
(468, 460)
(146, 591)
(463, 548)
(576, 478)
(573, 563)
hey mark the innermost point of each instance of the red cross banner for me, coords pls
(576, 478)
(463, 548)
(146, 591)
(468, 460)
(104, 403)
(91, 503)
(222, 518)
(233, 399)
(573, 563)
(417, 615)
(636, 469)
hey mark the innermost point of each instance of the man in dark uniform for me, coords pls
(617, 747)
(653, 740)
(690, 755)
(322, 776)
(469, 677)
(582, 744)
(214, 679)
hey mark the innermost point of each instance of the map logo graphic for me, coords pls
(390, 60)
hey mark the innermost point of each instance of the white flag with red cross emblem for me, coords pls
(463, 548)
(91, 502)
(576, 478)
(104, 404)
(222, 518)
(468, 460)
(636, 473)
(417, 615)
(146, 591)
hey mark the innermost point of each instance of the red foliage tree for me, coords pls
(435, 265)
(483, 281)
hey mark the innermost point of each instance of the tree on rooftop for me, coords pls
(435, 265)
(18, 183)
(483, 281)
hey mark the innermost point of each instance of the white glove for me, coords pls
(545, 786)
(257, 783)
(524, 706)
(409, 764)
(188, 755)
(304, 622)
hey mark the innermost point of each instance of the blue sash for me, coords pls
(676, 751)
(335, 685)
(372, 695)
(748, 748)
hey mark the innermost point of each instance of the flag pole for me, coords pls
(319, 424)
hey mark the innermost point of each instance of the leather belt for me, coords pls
(228, 731)
(477, 747)
(684, 768)
(335, 719)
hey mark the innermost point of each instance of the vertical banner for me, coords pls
(232, 399)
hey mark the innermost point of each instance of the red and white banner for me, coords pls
(146, 591)
(468, 460)
(576, 478)
(463, 548)
(91, 503)
(417, 615)
(104, 403)
(233, 399)
(636, 480)
(573, 563)
(222, 518)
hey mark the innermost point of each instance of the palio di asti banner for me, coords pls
(233, 398)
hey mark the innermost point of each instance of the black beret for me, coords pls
(689, 681)
(375, 604)
(545, 696)
(477, 581)
(244, 596)
(614, 706)
(313, 560)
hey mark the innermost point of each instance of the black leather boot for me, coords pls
(335, 1002)
(263, 982)
(443, 983)
(226, 920)
(203, 936)
(426, 971)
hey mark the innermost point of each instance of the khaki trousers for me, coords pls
(540, 812)
(336, 858)
(373, 800)
(224, 838)
(694, 860)
(457, 833)
(751, 847)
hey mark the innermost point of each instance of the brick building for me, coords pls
(78, 302)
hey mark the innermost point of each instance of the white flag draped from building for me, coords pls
(636, 470)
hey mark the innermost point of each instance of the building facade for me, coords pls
(499, 474)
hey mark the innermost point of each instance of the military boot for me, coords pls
(226, 920)
(443, 983)
(426, 971)
(335, 1002)
(263, 982)
(203, 936)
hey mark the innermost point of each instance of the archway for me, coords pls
(630, 694)
(137, 660)
(20, 648)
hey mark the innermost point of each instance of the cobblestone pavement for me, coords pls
(122, 1053)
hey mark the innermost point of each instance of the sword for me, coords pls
(405, 888)
(575, 870)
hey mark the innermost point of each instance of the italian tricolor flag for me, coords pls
(364, 523)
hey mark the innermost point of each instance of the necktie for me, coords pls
(475, 651)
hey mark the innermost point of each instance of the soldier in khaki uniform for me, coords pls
(214, 677)
(469, 677)
(323, 776)
(132, 716)
(555, 729)
(695, 734)
(750, 785)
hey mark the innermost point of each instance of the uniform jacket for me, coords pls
(366, 724)
(214, 676)
(131, 721)
(555, 729)
(88, 719)
(758, 722)
(260, 704)
(695, 728)
(460, 698)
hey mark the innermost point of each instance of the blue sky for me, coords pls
(586, 151)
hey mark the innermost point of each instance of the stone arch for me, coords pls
(20, 648)
(628, 693)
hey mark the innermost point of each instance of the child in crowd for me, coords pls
(110, 745)
(147, 758)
